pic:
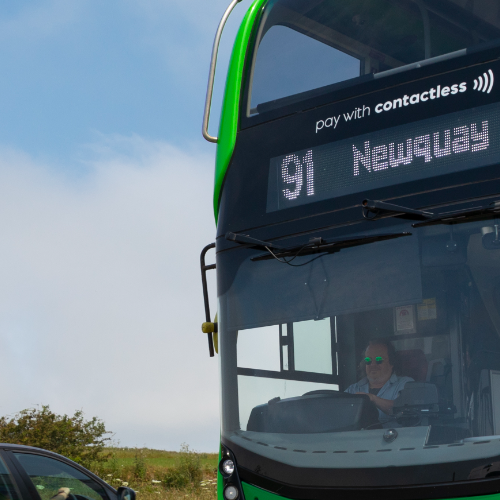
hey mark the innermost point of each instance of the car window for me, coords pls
(49, 475)
(7, 490)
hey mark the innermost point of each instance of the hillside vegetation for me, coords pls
(157, 474)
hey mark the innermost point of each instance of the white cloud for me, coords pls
(100, 293)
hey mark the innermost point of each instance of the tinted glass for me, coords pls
(7, 490)
(303, 64)
(423, 308)
(305, 45)
(49, 476)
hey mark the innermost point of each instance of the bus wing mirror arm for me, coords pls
(211, 74)
(208, 327)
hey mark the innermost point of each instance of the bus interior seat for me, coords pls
(417, 394)
(414, 364)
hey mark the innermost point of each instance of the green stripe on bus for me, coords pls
(230, 106)
(254, 493)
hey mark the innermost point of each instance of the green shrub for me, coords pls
(80, 440)
(139, 465)
(187, 472)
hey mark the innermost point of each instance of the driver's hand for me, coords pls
(371, 396)
(382, 404)
(62, 494)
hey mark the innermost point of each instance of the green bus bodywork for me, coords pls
(253, 493)
(227, 134)
(230, 106)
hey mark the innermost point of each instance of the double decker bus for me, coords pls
(357, 201)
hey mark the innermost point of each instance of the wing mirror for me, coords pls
(125, 493)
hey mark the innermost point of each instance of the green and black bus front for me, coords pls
(360, 204)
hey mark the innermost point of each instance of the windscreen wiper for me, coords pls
(378, 208)
(320, 246)
(453, 217)
(244, 239)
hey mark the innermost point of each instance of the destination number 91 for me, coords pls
(292, 172)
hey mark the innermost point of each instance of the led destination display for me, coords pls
(449, 143)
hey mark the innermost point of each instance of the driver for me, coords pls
(381, 383)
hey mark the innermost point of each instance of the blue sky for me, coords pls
(73, 68)
(103, 171)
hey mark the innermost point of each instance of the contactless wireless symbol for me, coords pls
(485, 82)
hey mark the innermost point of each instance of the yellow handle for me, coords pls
(208, 327)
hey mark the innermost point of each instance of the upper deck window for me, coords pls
(310, 47)
(304, 62)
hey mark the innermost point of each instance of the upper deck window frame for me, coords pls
(364, 84)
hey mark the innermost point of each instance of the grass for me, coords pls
(158, 458)
(158, 474)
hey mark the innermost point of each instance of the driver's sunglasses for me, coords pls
(379, 360)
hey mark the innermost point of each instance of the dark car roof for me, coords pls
(22, 447)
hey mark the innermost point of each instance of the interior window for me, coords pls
(7, 490)
(313, 346)
(258, 348)
(50, 475)
(308, 347)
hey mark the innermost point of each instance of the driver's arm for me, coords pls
(384, 405)
(62, 494)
